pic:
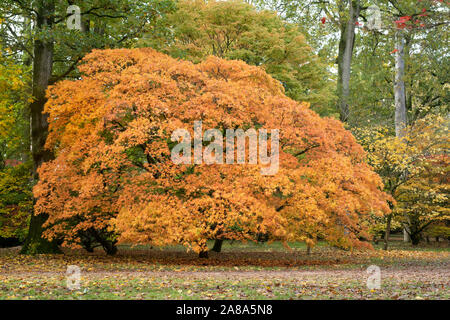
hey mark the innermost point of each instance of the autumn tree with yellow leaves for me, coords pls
(414, 169)
(113, 178)
(15, 183)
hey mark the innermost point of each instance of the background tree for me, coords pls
(236, 30)
(14, 97)
(325, 25)
(422, 25)
(15, 186)
(15, 203)
(413, 168)
(408, 26)
(331, 27)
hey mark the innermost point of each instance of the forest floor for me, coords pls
(241, 271)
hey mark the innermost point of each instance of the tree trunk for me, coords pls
(346, 46)
(415, 239)
(406, 237)
(387, 234)
(399, 86)
(109, 247)
(400, 98)
(42, 71)
(217, 246)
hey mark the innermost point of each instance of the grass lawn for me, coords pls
(241, 271)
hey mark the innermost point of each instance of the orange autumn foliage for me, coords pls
(111, 130)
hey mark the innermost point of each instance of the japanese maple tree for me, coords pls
(113, 178)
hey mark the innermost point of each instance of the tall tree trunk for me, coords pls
(345, 55)
(42, 71)
(400, 97)
(387, 234)
(399, 86)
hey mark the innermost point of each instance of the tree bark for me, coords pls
(415, 239)
(399, 86)
(387, 234)
(400, 98)
(345, 55)
(217, 246)
(406, 236)
(42, 71)
(109, 247)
